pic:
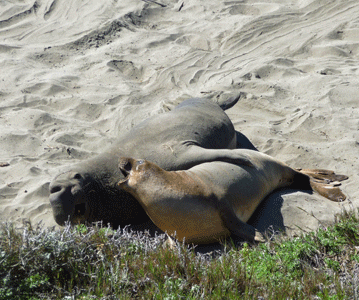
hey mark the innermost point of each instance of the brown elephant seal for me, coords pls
(213, 200)
(194, 132)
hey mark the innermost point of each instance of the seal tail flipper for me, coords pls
(325, 183)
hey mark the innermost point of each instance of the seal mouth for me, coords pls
(122, 181)
(125, 167)
(124, 172)
(80, 210)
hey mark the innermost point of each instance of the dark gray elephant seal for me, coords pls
(212, 200)
(193, 133)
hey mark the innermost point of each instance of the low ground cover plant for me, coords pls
(100, 263)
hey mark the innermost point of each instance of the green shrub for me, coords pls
(98, 262)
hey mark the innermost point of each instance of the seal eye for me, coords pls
(77, 176)
(139, 163)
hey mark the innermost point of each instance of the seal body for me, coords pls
(196, 131)
(210, 200)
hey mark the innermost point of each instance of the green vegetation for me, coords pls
(99, 263)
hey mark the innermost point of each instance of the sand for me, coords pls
(77, 74)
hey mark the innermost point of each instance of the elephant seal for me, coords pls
(196, 131)
(212, 200)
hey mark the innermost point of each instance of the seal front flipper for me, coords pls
(238, 228)
(197, 155)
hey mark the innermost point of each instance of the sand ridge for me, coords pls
(76, 74)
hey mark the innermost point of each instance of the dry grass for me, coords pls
(99, 263)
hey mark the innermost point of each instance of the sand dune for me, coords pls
(76, 74)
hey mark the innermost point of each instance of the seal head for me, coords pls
(88, 194)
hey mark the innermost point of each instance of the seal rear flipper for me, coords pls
(328, 191)
(243, 142)
(225, 101)
(324, 176)
(326, 185)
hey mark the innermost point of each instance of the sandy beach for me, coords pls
(77, 74)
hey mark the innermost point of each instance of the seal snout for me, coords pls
(61, 200)
(55, 189)
(67, 197)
